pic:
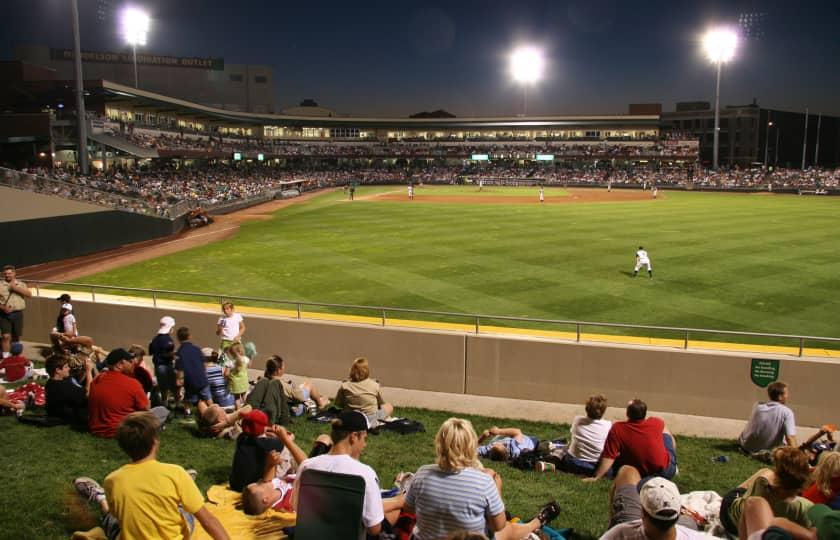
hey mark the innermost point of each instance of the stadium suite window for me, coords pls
(236, 77)
(260, 79)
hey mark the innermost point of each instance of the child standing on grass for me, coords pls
(238, 376)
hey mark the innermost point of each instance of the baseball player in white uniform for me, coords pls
(642, 259)
(411, 191)
(655, 191)
(542, 194)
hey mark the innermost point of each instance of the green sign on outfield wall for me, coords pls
(763, 372)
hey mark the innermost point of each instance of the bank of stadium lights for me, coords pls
(719, 44)
(527, 64)
(135, 26)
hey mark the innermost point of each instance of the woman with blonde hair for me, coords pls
(826, 486)
(363, 394)
(457, 494)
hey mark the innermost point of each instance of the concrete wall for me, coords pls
(684, 382)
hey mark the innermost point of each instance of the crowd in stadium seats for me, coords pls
(156, 190)
(161, 140)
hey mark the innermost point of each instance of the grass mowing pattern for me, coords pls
(721, 261)
(38, 500)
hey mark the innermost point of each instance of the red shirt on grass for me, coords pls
(113, 396)
(638, 443)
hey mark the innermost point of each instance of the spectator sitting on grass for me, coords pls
(305, 393)
(644, 443)
(16, 367)
(771, 423)
(826, 486)
(458, 494)
(257, 441)
(760, 524)
(66, 398)
(361, 393)
(214, 421)
(649, 512)
(189, 371)
(588, 435)
(349, 437)
(115, 393)
(268, 395)
(143, 375)
(146, 498)
(506, 444)
(65, 333)
(778, 486)
(274, 488)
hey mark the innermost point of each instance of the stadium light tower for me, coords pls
(135, 26)
(719, 44)
(526, 67)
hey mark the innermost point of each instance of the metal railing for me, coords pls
(473, 321)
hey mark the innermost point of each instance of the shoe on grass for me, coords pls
(548, 512)
(89, 489)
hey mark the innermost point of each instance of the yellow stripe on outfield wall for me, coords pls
(450, 327)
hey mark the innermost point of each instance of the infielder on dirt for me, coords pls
(642, 259)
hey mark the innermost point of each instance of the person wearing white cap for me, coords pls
(647, 513)
(162, 349)
(65, 334)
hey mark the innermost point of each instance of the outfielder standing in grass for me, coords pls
(542, 194)
(642, 259)
(411, 192)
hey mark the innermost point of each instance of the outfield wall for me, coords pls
(683, 382)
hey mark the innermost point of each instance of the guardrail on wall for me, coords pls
(474, 323)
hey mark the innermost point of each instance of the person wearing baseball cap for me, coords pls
(115, 394)
(162, 350)
(647, 513)
(349, 436)
(252, 449)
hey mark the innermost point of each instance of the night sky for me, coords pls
(400, 57)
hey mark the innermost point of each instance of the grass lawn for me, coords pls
(38, 500)
(721, 261)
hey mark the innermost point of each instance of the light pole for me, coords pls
(719, 45)
(81, 118)
(135, 26)
(767, 139)
(526, 67)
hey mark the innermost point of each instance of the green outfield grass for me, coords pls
(721, 261)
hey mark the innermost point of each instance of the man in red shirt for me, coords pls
(115, 393)
(644, 443)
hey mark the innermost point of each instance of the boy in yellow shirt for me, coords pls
(146, 498)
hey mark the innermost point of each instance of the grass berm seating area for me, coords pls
(38, 499)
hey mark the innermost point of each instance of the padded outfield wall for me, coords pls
(673, 380)
(45, 228)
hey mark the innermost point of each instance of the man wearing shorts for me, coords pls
(649, 511)
(13, 294)
(642, 259)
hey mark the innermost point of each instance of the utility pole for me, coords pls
(805, 139)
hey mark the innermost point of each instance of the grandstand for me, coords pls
(157, 158)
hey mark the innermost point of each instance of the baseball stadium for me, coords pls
(506, 270)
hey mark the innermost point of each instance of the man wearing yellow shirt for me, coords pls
(146, 498)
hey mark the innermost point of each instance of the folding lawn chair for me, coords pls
(329, 506)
